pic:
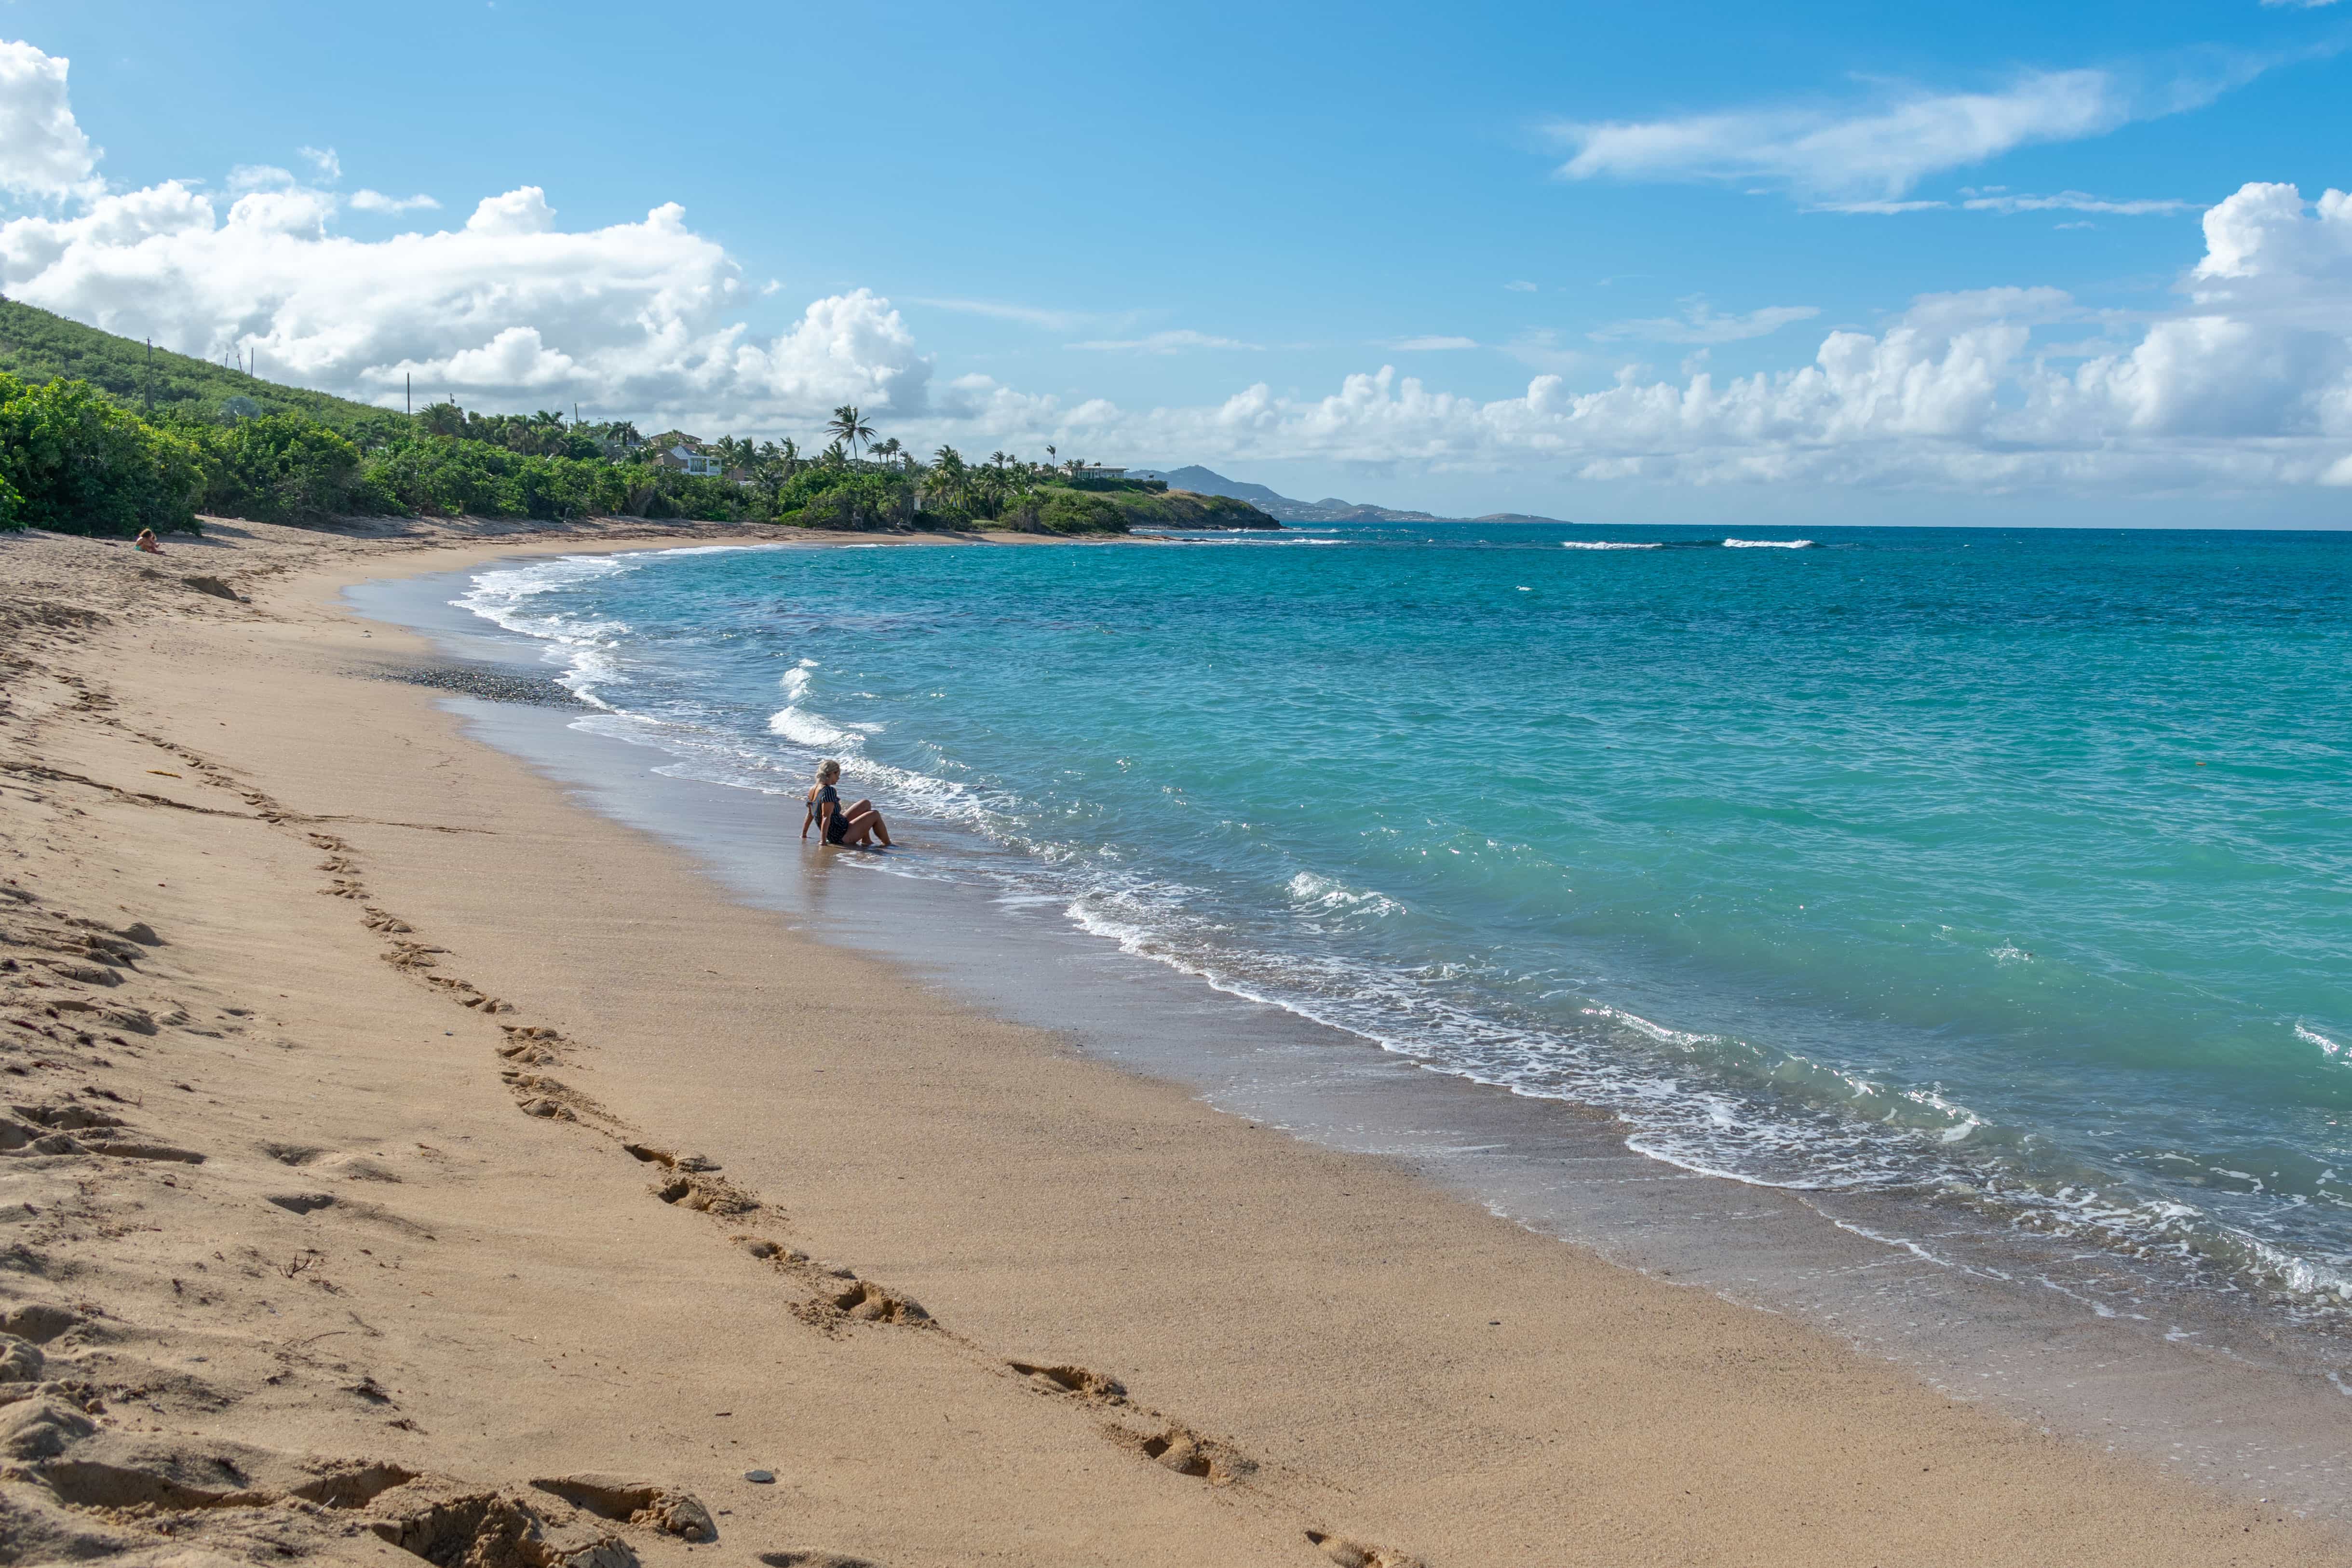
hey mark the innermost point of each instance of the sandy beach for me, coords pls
(407, 1160)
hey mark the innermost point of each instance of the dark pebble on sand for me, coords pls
(765, 1478)
(490, 685)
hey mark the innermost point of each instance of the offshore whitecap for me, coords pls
(2004, 871)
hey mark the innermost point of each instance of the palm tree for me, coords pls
(998, 458)
(948, 478)
(849, 428)
(889, 450)
(1049, 454)
(766, 466)
(836, 456)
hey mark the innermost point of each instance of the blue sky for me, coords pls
(1110, 224)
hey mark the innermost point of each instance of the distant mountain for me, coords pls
(1330, 508)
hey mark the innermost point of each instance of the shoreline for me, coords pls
(2217, 1389)
(1320, 1345)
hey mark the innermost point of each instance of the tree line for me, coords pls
(76, 458)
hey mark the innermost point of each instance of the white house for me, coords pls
(1102, 473)
(693, 462)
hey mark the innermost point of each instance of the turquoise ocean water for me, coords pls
(2006, 872)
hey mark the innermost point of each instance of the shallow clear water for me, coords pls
(2002, 871)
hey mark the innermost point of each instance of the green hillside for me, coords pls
(1138, 507)
(97, 435)
(39, 347)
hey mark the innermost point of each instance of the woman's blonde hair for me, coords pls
(828, 771)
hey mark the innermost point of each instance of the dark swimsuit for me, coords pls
(835, 829)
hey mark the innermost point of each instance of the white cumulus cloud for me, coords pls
(43, 152)
(2248, 386)
(510, 309)
(1431, 343)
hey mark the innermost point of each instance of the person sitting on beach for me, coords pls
(146, 542)
(836, 823)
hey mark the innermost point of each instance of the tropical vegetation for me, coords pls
(102, 435)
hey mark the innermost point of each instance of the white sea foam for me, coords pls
(506, 598)
(814, 729)
(1606, 544)
(2311, 1037)
(1657, 1032)
(1309, 892)
(1768, 544)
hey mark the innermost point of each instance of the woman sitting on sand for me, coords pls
(852, 826)
(146, 543)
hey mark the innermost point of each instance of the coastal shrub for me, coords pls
(1121, 486)
(1064, 511)
(449, 476)
(280, 468)
(860, 499)
(75, 461)
(1182, 509)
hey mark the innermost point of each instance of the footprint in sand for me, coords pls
(1356, 1555)
(544, 1096)
(531, 1046)
(860, 1301)
(708, 1195)
(465, 992)
(635, 1501)
(1074, 1381)
(1187, 1453)
(491, 1528)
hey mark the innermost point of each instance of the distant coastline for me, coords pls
(1330, 508)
